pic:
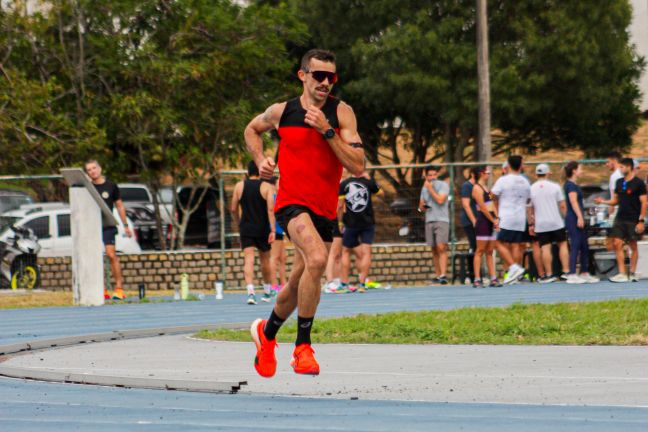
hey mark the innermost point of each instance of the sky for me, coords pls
(639, 35)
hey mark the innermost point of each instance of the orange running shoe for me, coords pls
(265, 361)
(119, 294)
(107, 295)
(303, 360)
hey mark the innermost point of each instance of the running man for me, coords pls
(318, 137)
(546, 222)
(434, 201)
(512, 193)
(359, 227)
(109, 192)
(256, 228)
(629, 224)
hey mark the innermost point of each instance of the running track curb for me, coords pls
(116, 381)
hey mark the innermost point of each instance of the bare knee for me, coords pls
(316, 261)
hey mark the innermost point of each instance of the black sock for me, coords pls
(272, 326)
(304, 326)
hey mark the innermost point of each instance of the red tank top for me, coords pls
(309, 169)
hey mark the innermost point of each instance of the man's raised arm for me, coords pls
(253, 138)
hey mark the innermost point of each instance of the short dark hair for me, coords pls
(432, 168)
(515, 162)
(627, 162)
(570, 168)
(615, 155)
(318, 54)
(252, 169)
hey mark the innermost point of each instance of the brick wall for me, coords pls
(395, 264)
(402, 265)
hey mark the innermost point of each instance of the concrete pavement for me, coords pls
(556, 375)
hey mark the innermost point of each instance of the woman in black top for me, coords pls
(485, 226)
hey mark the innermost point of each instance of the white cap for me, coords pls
(542, 169)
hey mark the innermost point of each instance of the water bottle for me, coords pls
(184, 286)
(176, 293)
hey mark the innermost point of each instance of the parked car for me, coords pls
(145, 226)
(139, 193)
(51, 225)
(12, 199)
(138, 201)
(204, 227)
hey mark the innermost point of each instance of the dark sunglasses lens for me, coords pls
(322, 75)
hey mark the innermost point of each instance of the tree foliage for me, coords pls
(157, 88)
(563, 74)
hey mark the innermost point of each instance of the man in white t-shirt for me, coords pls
(546, 221)
(613, 165)
(512, 193)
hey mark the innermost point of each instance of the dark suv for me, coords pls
(204, 227)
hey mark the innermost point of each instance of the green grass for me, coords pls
(618, 322)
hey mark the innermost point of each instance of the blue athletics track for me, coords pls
(39, 406)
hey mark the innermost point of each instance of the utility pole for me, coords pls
(485, 151)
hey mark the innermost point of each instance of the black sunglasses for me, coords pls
(322, 75)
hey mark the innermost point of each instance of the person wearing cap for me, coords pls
(546, 221)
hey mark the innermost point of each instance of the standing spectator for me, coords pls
(469, 211)
(359, 227)
(109, 192)
(629, 224)
(512, 193)
(575, 221)
(256, 228)
(277, 251)
(612, 164)
(484, 226)
(334, 262)
(546, 222)
(434, 200)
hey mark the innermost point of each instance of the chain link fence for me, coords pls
(40, 203)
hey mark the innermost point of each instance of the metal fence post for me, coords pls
(453, 237)
(221, 200)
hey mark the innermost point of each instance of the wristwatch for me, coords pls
(330, 133)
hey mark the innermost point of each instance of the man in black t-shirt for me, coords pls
(109, 191)
(359, 227)
(630, 195)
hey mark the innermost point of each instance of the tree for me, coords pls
(161, 88)
(563, 75)
(193, 82)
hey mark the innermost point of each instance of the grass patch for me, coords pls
(39, 299)
(617, 322)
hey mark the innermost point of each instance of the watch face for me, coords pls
(330, 133)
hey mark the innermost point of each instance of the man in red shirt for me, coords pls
(318, 137)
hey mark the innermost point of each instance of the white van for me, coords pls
(51, 224)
